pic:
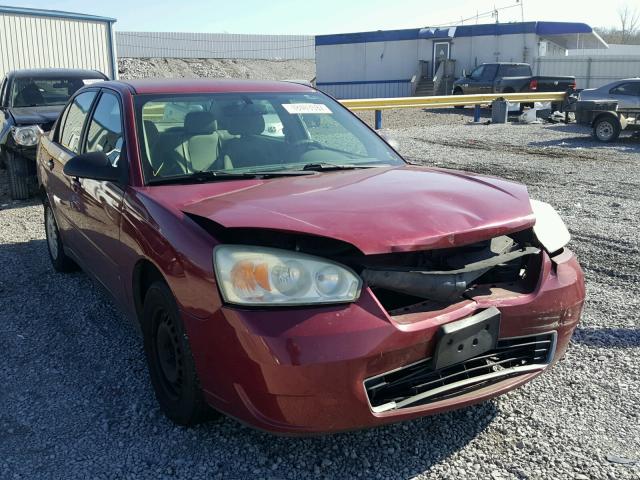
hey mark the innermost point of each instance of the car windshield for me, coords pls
(252, 133)
(42, 92)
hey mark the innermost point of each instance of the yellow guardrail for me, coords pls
(450, 100)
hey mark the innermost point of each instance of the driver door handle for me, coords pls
(50, 164)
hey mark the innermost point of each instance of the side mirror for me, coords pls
(94, 166)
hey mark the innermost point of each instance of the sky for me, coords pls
(312, 17)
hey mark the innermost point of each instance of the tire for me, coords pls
(22, 176)
(60, 261)
(458, 107)
(171, 366)
(607, 129)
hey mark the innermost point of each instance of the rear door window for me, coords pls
(105, 130)
(76, 116)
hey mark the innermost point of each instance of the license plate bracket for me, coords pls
(464, 339)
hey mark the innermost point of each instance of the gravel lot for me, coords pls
(76, 400)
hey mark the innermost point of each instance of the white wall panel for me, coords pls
(590, 72)
(30, 41)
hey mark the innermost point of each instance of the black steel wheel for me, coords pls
(607, 129)
(171, 366)
(458, 92)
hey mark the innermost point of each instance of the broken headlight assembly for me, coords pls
(26, 136)
(259, 276)
(549, 228)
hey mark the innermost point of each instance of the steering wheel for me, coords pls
(307, 143)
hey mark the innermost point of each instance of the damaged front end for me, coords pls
(502, 254)
(432, 280)
(418, 281)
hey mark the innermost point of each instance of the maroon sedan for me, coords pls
(289, 269)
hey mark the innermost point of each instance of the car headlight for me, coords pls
(27, 136)
(268, 276)
(549, 227)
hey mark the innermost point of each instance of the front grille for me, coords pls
(419, 384)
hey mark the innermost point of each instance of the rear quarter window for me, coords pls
(515, 71)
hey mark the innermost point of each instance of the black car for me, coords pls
(30, 103)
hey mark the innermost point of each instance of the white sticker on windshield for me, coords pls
(91, 81)
(306, 108)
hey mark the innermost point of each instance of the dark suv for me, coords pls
(30, 103)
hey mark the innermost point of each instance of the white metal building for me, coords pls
(391, 63)
(34, 38)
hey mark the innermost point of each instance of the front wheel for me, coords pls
(607, 129)
(22, 176)
(171, 365)
(458, 107)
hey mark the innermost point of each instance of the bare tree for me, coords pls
(629, 23)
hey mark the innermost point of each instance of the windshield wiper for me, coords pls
(327, 167)
(217, 175)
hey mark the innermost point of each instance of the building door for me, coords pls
(441, 51)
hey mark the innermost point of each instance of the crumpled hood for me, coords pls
(36, 115)
(378, 210)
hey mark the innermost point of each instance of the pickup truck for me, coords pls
(509, 78)
(30, 103)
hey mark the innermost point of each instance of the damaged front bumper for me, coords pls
(327, 369)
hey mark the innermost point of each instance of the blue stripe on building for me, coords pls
(540, 28)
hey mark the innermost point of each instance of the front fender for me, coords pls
(180, 249)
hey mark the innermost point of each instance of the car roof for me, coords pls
(49, 72)
(617, 82)
(201, 85)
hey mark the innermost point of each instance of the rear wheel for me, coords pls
(60, 261)
(169, 358)
(607, 129)
(22, 176)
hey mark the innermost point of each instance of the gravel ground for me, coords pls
(76, 400)
(130, 68)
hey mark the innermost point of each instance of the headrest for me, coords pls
(199, 123)
(244, 119)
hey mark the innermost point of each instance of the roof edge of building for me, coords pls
(39, 12)
(540, 28)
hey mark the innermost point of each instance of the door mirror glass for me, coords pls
(94, 166)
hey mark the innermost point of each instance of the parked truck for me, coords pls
(509, 78)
